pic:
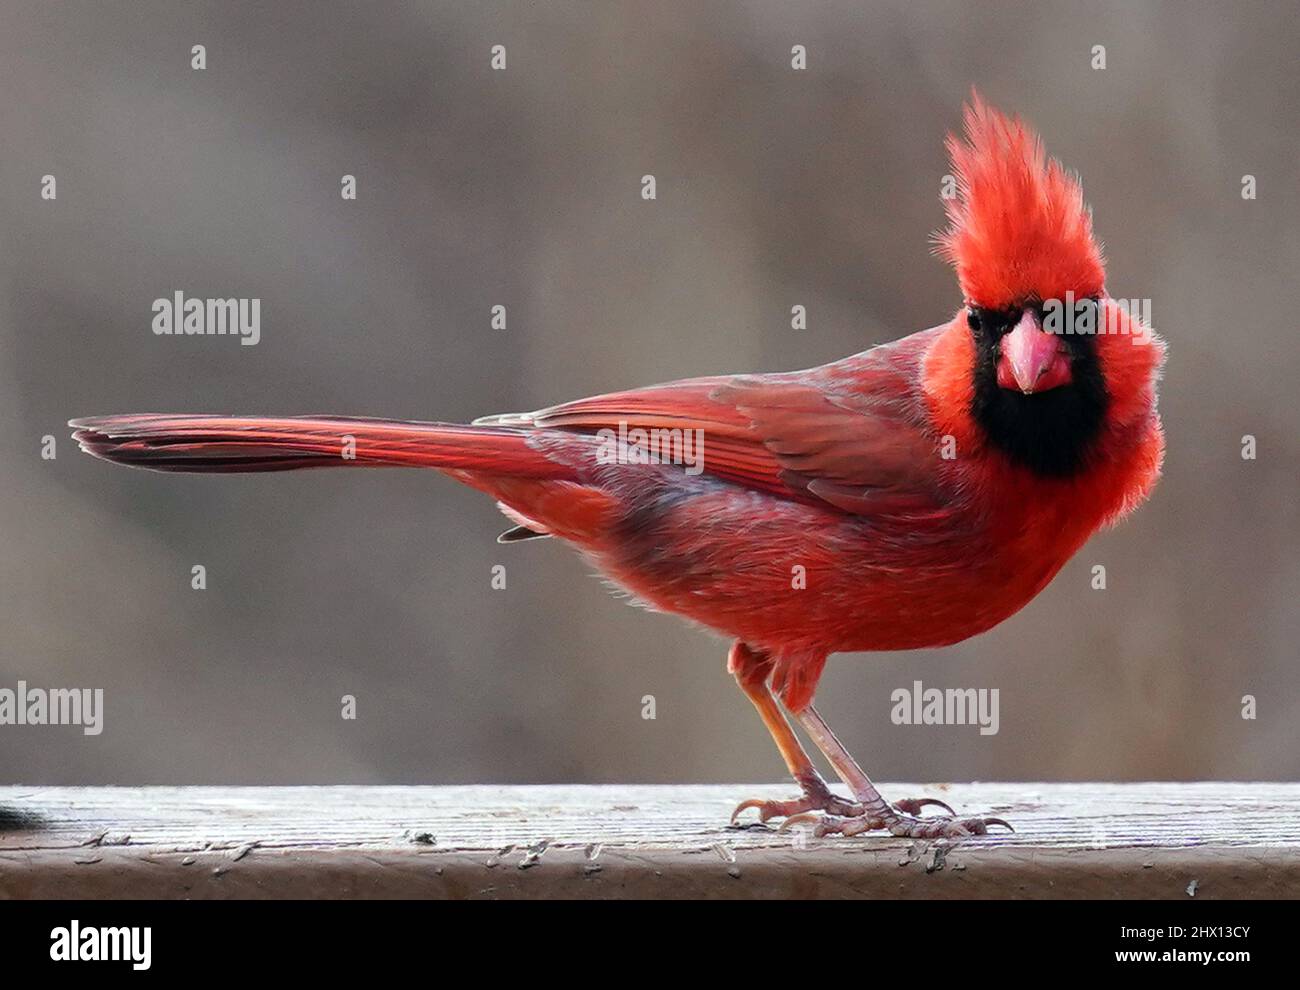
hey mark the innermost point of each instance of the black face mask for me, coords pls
(1051, 433)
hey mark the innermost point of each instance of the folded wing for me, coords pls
(852, 435)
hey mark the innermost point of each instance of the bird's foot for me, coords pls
(817, 797)
(904, 825)
(913, 806)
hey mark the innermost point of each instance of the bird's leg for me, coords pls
(751, 669)
(876, 812)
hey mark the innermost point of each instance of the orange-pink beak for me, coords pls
(1032, 360)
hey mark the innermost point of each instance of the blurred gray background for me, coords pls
(521, 188)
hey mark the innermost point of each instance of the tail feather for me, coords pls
(219, 444)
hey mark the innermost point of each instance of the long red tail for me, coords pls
(214, 444)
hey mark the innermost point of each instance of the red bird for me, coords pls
(909, 496)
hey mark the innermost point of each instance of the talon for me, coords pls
(913, 806)
(980, 826)
(799, 820)
(745, 806)
(944, 828)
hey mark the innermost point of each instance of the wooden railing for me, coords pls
(1210, 840)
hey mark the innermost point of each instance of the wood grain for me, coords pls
(1072, 840)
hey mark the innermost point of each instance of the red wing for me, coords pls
(851, 434)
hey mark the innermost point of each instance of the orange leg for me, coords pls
(751, 670)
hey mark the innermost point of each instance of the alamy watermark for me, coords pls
(102, 943)
(53, 706)
(1085, 316)
(179, 316)
(921, 705)
(657, 445)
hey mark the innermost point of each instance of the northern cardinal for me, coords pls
(909, 496)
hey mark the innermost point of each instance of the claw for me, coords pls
(807, 817)
(980, 826)
(944, 828)
(745, 806)
(913, 806)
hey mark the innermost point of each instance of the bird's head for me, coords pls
(1050, 354)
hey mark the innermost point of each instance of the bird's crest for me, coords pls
(1018, 226)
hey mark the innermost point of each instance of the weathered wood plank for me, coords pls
(1107, 840)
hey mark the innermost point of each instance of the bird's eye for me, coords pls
(973, 319)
